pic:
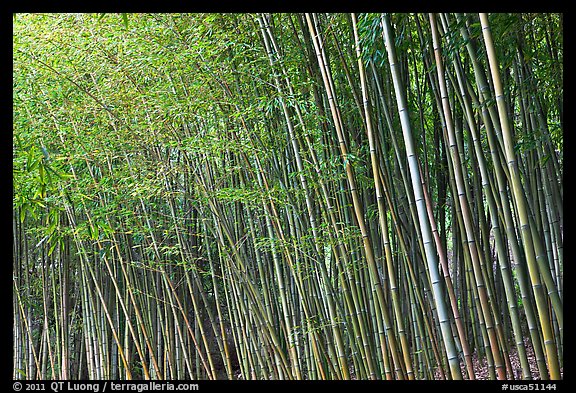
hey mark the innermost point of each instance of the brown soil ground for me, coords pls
(481, 365)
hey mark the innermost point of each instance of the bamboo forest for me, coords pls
(287, 196)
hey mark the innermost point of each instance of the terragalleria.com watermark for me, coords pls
(63, 386)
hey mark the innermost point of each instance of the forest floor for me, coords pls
(481, 365)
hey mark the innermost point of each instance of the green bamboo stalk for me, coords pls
(519, 198)
(502, 252)
(381, 209)
(422, 215)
